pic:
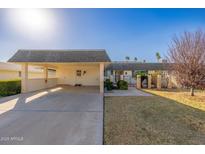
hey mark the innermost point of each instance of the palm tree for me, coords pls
(135, 59)
(158, 56)
(127, 58)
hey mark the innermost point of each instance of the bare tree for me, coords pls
(187, 53)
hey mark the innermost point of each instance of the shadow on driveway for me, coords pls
(61, 115)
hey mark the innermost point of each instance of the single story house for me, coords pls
(88, 68)
(128, 70)
(11, 71)
(73, 67)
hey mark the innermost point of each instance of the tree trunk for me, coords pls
(192, 91)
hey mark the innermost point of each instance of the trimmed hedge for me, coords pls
(122, 85)
(10, 87)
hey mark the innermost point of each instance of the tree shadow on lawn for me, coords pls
(152, 120)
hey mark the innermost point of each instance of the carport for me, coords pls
(73, 67)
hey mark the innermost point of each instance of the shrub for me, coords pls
(141, 73)
(10, 87)
(108, 84)
(122, 85)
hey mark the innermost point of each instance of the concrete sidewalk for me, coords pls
(130, 92)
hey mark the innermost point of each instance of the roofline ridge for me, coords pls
(59, 50)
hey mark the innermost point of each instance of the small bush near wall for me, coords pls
(10, 87)
(108, 84)
(122, 85)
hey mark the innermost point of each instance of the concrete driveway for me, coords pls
(62, 115)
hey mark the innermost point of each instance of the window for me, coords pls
(51, 73)
(78, 73)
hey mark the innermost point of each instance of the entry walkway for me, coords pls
(132, 91)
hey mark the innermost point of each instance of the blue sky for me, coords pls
(122, 32)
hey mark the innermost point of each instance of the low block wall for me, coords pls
(38, 84)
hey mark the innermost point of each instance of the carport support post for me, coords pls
(170, 82)
(45, 74)
(24, 78)
(101, 77)
(114, 76)
(139, 81)
(159, 78)
(149, 81)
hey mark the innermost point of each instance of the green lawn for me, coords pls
(152, 120)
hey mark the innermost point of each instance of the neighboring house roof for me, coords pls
(15, 67)
(60, 56)
(138, 66)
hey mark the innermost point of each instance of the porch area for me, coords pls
(72, 74)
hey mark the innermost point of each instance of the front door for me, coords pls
(117, 75)
(79, 77)
(78, 80)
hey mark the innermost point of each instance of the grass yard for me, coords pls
(152, 120)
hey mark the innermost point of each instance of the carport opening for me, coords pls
(144, 81)
(144, 78)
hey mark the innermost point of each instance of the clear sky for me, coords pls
(122, 32)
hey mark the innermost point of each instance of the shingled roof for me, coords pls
(60, 56)
(138, 66)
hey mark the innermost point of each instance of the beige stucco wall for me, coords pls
(35, 82)
(38, 84)
(67, 75)
(35, 75)
(129, 73)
